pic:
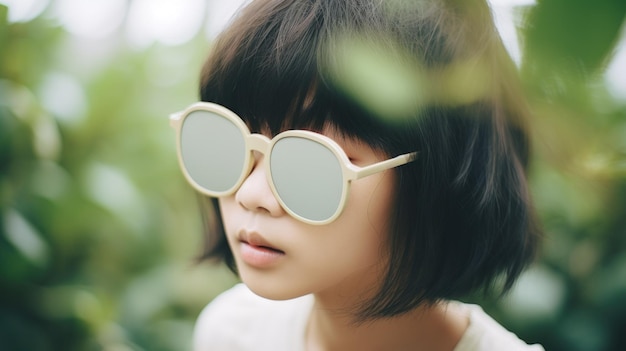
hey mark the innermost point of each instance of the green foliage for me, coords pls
(578, 179)
(573, 34)
(98, 230)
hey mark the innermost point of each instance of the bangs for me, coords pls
(271, 74)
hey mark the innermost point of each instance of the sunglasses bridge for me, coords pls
(258, 142)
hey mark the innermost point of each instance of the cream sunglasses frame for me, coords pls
(263, 144)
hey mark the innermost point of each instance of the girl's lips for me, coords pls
(258, 252)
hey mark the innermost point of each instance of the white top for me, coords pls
(239, 320)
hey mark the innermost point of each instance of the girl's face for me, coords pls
(279, 257)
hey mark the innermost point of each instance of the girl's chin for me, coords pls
(272, 290)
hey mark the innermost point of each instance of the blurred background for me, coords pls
(99, 232)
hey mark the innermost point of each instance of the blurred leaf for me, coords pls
(573, 36)
(26, 239)
(4, 13)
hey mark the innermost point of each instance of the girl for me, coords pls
(363, 166)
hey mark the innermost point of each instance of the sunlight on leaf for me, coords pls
(25, 238)
(111, 188)
(538, 295)
(64, 96)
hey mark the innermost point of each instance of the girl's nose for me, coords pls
(255, 193)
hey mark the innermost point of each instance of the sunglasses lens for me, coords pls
(213, 150)
(307, 176)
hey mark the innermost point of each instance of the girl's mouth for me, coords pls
(260, 256)
(264, 248)
(258, 252)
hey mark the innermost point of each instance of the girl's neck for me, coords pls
(434, 328)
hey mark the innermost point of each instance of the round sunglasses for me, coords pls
(308, 173)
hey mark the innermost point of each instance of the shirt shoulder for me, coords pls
(239, 320)
(485, 334)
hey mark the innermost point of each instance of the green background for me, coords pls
(99, 231)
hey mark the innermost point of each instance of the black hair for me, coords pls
(463, 218)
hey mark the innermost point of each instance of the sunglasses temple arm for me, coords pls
(385, 165)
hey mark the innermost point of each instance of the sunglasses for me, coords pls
(308, 173)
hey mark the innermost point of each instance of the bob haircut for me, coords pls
(463, 221)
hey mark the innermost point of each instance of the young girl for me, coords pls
(363, 165)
